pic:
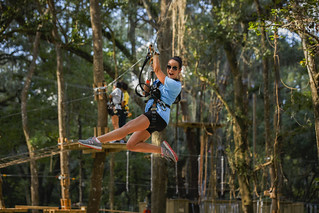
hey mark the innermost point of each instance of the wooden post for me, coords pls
(98, 131)
(111, 183)
(206, 162)
(254, 133)
(254, 128)
(64, 158)
(99, 90)
(201, 163)
(1, 197)
(64, 177)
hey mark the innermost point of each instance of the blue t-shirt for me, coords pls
(169, 92)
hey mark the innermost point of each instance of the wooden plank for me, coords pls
(7, 210)
(77, 146)
(118, 211)
(35, 207)
(63, 211)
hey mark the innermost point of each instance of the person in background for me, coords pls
(116, 106)
(126, 113)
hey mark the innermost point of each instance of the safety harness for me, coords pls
(154, 92)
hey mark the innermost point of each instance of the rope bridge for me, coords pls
(54, 150)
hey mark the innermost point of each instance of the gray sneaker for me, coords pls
(91, 143)
(168, 152)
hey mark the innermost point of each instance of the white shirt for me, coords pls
(117, 98)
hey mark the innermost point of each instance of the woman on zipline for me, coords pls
(155, 118)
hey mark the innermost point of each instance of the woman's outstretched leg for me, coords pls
(137, 143)
(138, 124)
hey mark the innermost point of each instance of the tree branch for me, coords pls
(151, 12)
(219, 96)
(86, 56)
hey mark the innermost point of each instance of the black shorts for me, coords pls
(158, 125)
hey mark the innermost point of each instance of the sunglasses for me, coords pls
(170, 67)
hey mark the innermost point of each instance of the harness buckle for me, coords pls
(153, 111)
(162, 106)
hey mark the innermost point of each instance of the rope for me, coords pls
(25, 157)
(120, 76)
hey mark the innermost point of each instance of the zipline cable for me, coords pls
(115, 80)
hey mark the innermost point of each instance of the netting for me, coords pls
(37, 154)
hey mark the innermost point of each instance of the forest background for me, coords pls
(249, 77)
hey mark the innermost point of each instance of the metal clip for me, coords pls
(161, 103)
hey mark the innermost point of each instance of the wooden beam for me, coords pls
(35, 207)
(118, 211)
(8, 210)
(63, 211)
(108, 146)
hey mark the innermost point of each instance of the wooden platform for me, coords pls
(107, 147)
(63, 211)
(54, 209)
(35, 207)
(48, 209)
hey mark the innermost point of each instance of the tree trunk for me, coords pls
(268, 146)
(193, 145)
(193, 148)
(131, 35)
(24, 96)
(81, 162)
(64, 158)
(313, 81)
(274, 167)
(240, 127)
(159, 175)
(309, 40)
(265, 69)
(98, 164)
(178, 25)
(111, 182)
(1, 196)
(132, 26)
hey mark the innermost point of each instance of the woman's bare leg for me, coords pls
(136, 143)
(138, 124)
